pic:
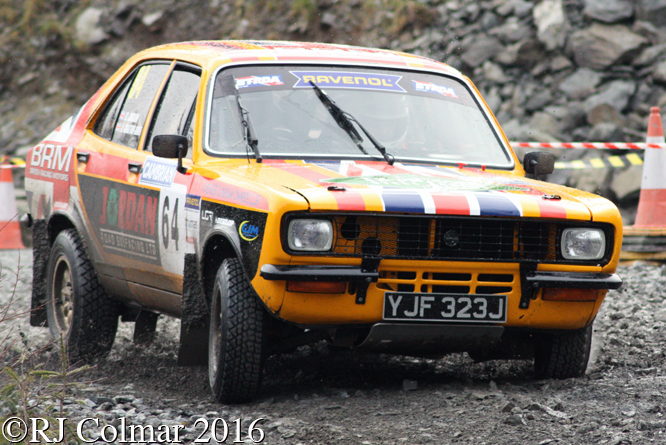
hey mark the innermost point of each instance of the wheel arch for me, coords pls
(57, 223)
(198, 283)
(216, 248)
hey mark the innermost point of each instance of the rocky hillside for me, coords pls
(569, 70)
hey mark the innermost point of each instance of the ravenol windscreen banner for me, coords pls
(353, 80)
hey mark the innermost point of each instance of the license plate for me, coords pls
(445, 307)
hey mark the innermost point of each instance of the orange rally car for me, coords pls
(274, 194)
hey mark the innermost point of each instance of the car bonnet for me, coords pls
(423, 189)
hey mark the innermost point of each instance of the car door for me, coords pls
(173, 115)
(126, 192)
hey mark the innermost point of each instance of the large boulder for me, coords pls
(653, 11)
(616, 93)
(581, 83)
(551, 22)
(484, 48)
(88, 27)
(650, 55)
(659, 73)
(525, 53)
(609, 11)
(512, 31)
(600, 46)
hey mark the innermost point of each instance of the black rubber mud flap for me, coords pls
(40, 257)
(193, 349)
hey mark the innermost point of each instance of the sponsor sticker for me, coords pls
(353, 80)
(429, 87)
(192, 202)
(258, 81)
(409, 181)
(224, 221)
(128, 123)
(124, 217)
(52, 157)
(207, 215)
(157, 173)
(247, 231)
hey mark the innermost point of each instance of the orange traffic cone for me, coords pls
(646, 239)
(10, 231)
(652, 202)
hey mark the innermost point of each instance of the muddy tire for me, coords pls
(563, 356)
(78, 309)
(237, 343)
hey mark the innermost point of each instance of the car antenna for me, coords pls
(345, 120)
(249, 134)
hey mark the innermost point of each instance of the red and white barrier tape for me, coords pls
(595, 145)
(12, 166)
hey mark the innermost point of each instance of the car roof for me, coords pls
(214, 53)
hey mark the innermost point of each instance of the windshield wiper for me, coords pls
(249, 134)
(345, 120)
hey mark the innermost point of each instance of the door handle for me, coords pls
(82, 156)
(134, 167)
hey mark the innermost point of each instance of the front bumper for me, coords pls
(359, 274)
(350, 274)
(573, 280)
(364, 300)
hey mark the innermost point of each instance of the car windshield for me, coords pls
(416, 116)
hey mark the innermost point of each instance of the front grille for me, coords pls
(446, 238)
(448, 283)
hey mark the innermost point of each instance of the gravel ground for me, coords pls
(320, 396)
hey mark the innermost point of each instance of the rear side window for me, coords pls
(175, 110)
(124, 117)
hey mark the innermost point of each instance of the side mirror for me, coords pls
(539, 163)
(171, 146)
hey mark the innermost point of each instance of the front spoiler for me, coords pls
(429, 339)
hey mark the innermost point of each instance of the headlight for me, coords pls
(312, 235)
(583, 244)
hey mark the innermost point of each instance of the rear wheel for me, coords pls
(77, 308)
(237, 336)
(563, 355)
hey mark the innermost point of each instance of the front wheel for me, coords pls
(237, 336)
(78, 309)
(563, 355)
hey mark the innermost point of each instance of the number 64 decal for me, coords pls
(166, 225)
(172, 226)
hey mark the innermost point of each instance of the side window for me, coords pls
(125, 116)
(175, 110)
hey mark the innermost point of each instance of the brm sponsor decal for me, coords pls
(247, 231)
(51, 161)
(353, 80)
(429, 87)
(124, 217)
(157, 173)
(258, 81)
